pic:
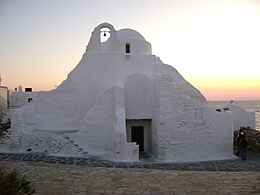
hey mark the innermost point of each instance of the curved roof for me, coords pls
(127, 33)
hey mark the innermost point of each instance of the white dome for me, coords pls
(129, 34)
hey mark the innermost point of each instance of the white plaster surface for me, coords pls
(89, 110)
(18, 98)
(241, 117)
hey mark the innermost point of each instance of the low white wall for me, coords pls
(19, 99)
(212, 140)
(241, 118)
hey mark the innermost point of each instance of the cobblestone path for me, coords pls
(69, 176)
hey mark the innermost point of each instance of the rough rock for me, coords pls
(253, 138)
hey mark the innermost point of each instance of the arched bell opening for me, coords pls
(104, 34)
(100, 36)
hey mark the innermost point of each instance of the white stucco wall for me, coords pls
(19, 98)
(189, 129)
(138, 96)
(135, 48)
(103, 130)
(108, 87)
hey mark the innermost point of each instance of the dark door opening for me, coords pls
(138, 136)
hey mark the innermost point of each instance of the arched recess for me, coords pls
(138, 97)
(104, 34)
(95, 41)
(138, 101)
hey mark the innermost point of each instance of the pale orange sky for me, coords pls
(213, 44)
(228, 87)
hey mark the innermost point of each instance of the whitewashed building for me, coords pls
(121, 100)
(19, 97)
(4, 98)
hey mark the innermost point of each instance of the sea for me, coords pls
(248, 105)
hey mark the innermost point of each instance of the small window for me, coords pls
(127, 47)
(28, 89)
(30, 99)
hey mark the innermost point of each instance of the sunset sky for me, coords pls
(214, 44)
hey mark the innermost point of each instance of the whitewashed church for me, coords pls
(120, 101)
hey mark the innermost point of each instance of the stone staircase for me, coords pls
(81, 150)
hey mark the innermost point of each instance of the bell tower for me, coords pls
(94, 45)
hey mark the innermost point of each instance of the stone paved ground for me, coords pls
(61, 178)
(253, 164)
